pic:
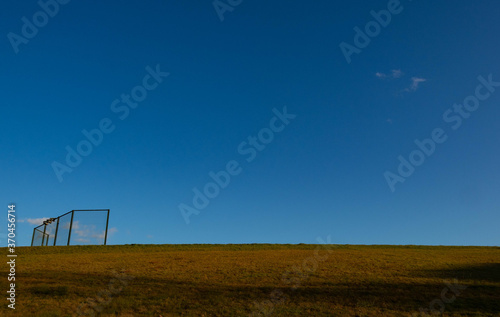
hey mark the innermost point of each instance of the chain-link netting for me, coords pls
(39, 238)
(63, 229)
(89, 227)
(50, 231)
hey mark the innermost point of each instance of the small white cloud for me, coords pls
(415, 81)
(84, 230)
(91, 231)
(65, 224)
(396, 73)
(82, 240)
(33, 221)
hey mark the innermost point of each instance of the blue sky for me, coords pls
(230, 73)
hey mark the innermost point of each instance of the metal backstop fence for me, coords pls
(77, 227)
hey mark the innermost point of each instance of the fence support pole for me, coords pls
(57, 230)
(33, 238)
(70, 225)
(43, 237)
(106, 233)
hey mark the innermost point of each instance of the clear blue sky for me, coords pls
(322, 174)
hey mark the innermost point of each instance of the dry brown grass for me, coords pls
(243, 280)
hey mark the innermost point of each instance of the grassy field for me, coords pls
(254, 280)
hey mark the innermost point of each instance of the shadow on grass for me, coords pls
(49, 290)
(487, 272)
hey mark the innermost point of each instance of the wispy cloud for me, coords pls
(395, 73)
(82, 240)
(91, 231)
(33, 221)
(415, 81)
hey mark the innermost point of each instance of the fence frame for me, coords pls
(50, 220)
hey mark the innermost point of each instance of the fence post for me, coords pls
(44, 234)
(33, 238)
(70, 225)
(106, 234)
(57, 230)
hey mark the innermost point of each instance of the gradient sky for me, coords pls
(322, 175)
